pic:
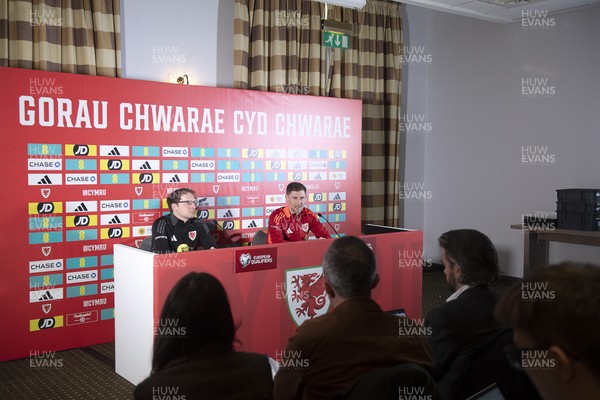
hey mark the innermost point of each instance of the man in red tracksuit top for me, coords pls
(293, 222)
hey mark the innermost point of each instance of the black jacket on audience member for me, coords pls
(467, 355)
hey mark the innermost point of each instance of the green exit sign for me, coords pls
(336, 40)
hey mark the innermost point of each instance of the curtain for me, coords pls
(277, 47)
(74, 36)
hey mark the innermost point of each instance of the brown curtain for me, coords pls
(75, 36)
(277, 47)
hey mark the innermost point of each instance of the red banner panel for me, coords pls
(88, 162)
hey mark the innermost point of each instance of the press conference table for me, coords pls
(259, 299)
(537, 243)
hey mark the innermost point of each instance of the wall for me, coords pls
(164, 40)
(481, 123)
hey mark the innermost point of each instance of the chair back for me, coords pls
(259, 238)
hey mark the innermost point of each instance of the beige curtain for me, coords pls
(75, 36)
(277, 47)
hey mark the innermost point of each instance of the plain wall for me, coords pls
(163, 40)
(480, 121)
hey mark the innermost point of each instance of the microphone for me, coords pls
(232, 243)
(322, 216)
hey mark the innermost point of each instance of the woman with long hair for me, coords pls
(194, 356)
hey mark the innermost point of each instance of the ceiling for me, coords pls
(534, 13)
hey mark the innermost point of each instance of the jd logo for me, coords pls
(337, 206)
(297, 176)
(318, 196)
(252, 153)
(45, 208)
(115, 233)
(203, 214)
(81, 150)
(46, 323)
(82, 220)
(228, 225)
(115, 164)
(146, 178)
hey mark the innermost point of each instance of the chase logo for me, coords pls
(45, 208)
(114, 233)
(81, 179)
(45, 323)
(81, 150)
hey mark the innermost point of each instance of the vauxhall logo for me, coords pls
(45, 208)
(81, 220)
(115, 164)
(115, 233)
(146, 178)
(81, 150)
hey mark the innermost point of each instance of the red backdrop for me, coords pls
(89, 160)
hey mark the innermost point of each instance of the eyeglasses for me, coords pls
(188, 202)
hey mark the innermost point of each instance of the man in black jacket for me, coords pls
(464, 336)
(181, 230)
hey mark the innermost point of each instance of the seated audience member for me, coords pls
(194, 355)
(463, 329)
(555, 313)
(181, 230)
(355, 338)
(293, 222)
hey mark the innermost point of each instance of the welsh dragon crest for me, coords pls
(306, 296)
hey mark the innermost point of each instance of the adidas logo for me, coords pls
(146, 165)
(317, 177)
(81, 208)
(337, 197)
(46, 296)
(115, 220)
(175, 179)
(45, 181)
(252, 224)
(228, 214)
(114, 152)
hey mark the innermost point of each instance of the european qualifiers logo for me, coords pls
(537, 156)
(537, 19)
(537, 291)
(44, 359)
(414, 123)
(534, 87)
(415, 55)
